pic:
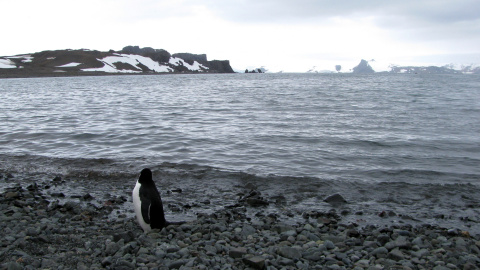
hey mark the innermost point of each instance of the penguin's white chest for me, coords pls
(137, 205)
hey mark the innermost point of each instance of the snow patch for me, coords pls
(26, 58)
(180, 62)
(7, 63)
(131, 59)
(74, 64)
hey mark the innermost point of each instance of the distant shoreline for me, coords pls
(22, 75)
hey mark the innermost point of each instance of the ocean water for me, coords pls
(401, 142)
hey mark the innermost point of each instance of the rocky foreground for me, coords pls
(41, 231)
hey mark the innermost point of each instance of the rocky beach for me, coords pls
(47, 223)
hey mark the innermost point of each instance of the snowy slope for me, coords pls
(6, 63)
(132, 60)
(136, 60)
(180, 62)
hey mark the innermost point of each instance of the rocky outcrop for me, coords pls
(131, 59)
(190, 57)
(220, 66)
(158, 55)
(363, 67)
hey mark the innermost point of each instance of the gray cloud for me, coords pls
(287, 10)
(422, 21)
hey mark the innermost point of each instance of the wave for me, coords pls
(95, 169)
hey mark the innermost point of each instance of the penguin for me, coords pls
(148, 203)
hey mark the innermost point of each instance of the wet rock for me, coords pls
(11, 195)
(32, 187)
(72, 207)
(325, 221)
(58, 195)
(335, 199)
(87, 197)
(255, 202)
(250, 186)
(353, 233)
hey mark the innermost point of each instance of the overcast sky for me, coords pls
(288, 35)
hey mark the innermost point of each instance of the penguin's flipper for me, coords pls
(157, 217)
(146, 205)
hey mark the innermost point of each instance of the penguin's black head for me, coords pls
(145, 176)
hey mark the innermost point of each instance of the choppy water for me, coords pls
(389, 140)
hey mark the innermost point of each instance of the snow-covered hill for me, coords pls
(129, 60)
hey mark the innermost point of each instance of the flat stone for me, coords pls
(142, 250)
(322, 220)
(237, 252)
(441, 267)
(13, 266)
(48, 263)
(400, 242)
(420, 253)
(285, 228)
(380, 252)
(256, 262)
(289, 252)
(123, 264)
(289, 233)
(396, 255)
(210, 250)
(177, 264)
(248, 230)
